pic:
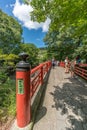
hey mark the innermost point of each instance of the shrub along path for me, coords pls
(65, 103)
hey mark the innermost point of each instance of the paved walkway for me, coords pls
(65, 104)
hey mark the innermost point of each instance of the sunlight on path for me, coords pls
(65, 104)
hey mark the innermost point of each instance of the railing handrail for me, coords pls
(82, 72)
(79, 69)
(38, 67)
(37, 80)
(83, 65)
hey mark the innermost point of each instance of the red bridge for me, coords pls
(65, 101)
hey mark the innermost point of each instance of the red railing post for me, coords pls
(47, 67)
(23, 92)
(82, 72)
(41, 74)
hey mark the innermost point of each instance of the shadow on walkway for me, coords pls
(42, 112)
(71, 99)
(64, 106)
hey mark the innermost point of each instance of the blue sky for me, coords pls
(33, 32)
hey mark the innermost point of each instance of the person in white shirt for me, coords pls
(66, 65)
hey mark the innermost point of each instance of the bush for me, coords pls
(7, 100)
(3, 76)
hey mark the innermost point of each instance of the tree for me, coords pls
(64, 14)
(60, 44)
(42, 55)
(10, 34)
(32, 51)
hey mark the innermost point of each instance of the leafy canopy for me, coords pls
(10, 33)
(68, 28)
(32, 51)
(61, 12)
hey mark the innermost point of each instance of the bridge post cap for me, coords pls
(23, 65)
(23, 56)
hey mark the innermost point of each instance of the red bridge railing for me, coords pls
(80, 69)
(27, 82)
(39, 73)
(62, 64)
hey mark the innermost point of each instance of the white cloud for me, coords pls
(22, 12)
(46, 25)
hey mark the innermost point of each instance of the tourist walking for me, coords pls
(66, 65)
(72, 67)
(53, 63)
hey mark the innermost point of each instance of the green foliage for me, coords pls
(7, 100)
(32, 51)
(42, 56)
(8, 63)
(10, 60)
(64, 43)
(10, 34)
(3, 76)
(60, 44)
(68, 25)
(10, 57)
(82, 51)
(11, 86)
(61, 13)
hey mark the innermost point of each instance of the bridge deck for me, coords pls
(65, 104)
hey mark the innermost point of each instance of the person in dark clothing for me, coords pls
(78, 59)
(53, 63)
